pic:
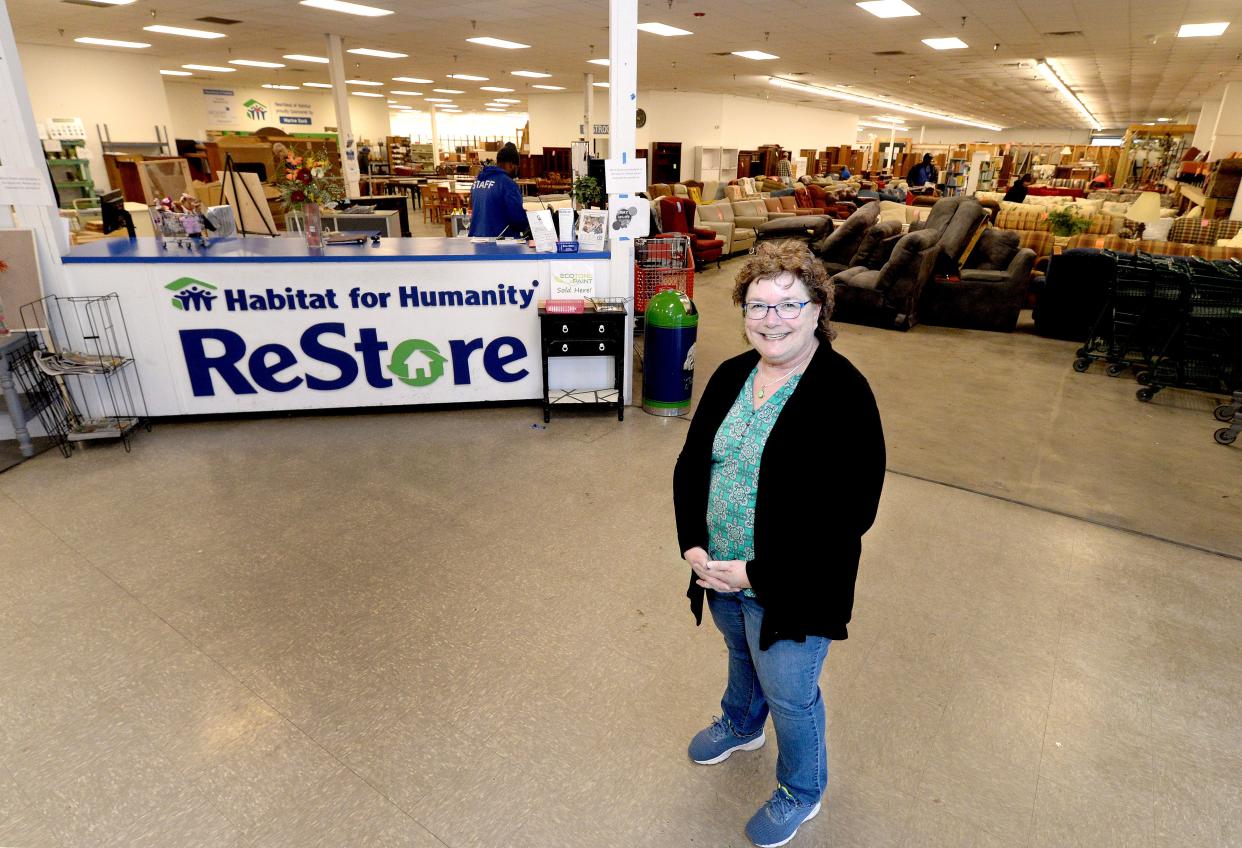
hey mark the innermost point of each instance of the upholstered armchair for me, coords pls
(991, 291)
(888, 297)
(677, 216)
(658, 190)
(804, 205)
(838, 249)
(839, 209)
(719, 218)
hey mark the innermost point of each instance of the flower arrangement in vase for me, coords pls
(306, 185)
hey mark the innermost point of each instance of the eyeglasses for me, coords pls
(756, 311)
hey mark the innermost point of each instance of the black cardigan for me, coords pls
(819, 487)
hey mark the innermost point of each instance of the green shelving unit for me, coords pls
(71, 173)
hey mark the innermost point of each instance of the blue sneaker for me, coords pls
(714, 743)
(778, 820)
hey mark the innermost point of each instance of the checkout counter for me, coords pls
(266, 324)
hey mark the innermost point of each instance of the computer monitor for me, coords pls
(252, 168)
(112, 211)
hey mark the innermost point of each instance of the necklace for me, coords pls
(788, 372)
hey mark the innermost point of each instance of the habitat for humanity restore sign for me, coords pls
(352, 334)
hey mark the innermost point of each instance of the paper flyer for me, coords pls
(541, 230)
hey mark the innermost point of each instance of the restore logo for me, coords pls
(417, 362)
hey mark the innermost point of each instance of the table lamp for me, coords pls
(1144, 211)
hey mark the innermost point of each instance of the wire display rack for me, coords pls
(83, 370)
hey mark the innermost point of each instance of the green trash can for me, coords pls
(672, 325)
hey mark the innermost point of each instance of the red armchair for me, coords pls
(677, 216)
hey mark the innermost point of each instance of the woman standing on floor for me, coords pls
(779, 479)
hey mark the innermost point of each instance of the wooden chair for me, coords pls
(427, 198)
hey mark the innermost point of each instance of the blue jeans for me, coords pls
(785, 679)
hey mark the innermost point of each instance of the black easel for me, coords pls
(230, 174)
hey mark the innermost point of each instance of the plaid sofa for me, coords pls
(1202, 230)
(1160, 248)
(1037, 219)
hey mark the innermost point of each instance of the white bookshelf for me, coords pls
(715, 164)
(980, 177)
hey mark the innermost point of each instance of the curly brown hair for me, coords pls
(774, 257)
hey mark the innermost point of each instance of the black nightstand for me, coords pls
(589, 333)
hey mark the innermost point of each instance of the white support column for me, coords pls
(20, 148)
(1227, 138)
(588, 111)
(435, 139)
(892, 138)
(1205, 125)
(344, 128)
(622, 102)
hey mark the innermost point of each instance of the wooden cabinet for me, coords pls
(666, 162)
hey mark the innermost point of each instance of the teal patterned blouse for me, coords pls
(736, 452)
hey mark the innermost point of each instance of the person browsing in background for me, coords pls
(923, 173)
(495, 199)
(845, 172)
(1017, 191)
(779, 479)
(783, 170)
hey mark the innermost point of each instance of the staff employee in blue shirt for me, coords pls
(495, 199)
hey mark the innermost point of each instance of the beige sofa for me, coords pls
(719, 217)
(752, 213)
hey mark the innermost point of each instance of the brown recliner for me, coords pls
(889, 296)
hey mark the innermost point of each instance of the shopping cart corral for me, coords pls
(1177, 321)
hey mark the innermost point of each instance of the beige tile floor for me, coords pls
(454, 629)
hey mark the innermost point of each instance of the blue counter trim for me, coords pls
(267, 250)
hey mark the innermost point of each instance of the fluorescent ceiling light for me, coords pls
(438, 99)
(176, 73)
(111, 42)
(881, 126)
(397, 106)
(1046, 70)
(416, 80)
(888, 119)
(392, 101)
(215, 68)
(448, 91)
(405, 92)
(449, 106)
(493, 88)
(1202, 30)
(467, 77)
(281, 87)
(301, 57)
(550, 87)
(379, 54)
(347, 8)
(492, 109)
(254, 63)
(507, 100)
(1164, 120)
(663, 29)
(365, 94)
(363, 82)
(488, 41)
(600, 84)
(188, 33)
(531, 74)
(604, 62)
(836, 93)
(945, 43)
(888, 8)
(316, 85)
(757, 55)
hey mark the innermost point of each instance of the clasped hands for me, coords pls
(722, 575)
